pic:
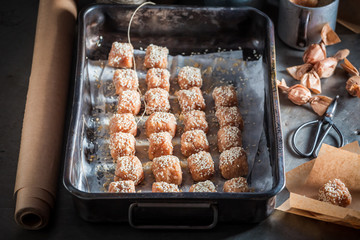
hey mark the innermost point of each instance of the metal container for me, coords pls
(300, 26)
(184, 30)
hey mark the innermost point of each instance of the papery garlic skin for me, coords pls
(314, 53)
(353, 86)
(299, 94)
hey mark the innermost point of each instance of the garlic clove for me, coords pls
(311, 80)
(348, 67)
(320, 104)
(298, 71)
(299, 94)
(328, 36)
(326, 68)
(314, 53)
(353, 86)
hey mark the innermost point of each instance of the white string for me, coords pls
(129, 40)
(129, 26)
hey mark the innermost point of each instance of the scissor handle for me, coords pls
(308, 154)
(316, 143)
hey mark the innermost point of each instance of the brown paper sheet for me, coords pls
(42, 132)
(304, 182)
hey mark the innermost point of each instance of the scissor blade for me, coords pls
(331, 109)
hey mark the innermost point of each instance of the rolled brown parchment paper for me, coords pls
(42, 132)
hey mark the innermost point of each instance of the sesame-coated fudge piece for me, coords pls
(121, 55)
(229, 116)
(129, 168)
(122, 144)
(228, 137)
(161, 122)
(336, 193)
(191, 99)
(160, 145)
(224, 96)
(129, 102)
(206, 186)
(189, 77)
(236, 185)
(157, 100)
(167, 169)
(124, 123)
(125, 79)
(195, 120)
(156, 57)
(201, 166)
(164, 187)
(233, 163)
(122, 187)
(193, 142)
(158, 78)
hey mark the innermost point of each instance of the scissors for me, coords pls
(321, 134)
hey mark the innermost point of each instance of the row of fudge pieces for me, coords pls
(123, 126)
(233, 160)
(160, 126)
(194, 143)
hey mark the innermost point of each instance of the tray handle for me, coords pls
(173, 215)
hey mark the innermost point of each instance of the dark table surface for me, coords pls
(17, 28)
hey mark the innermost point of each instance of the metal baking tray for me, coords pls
(243, 37)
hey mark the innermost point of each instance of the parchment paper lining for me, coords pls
(97, 168)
